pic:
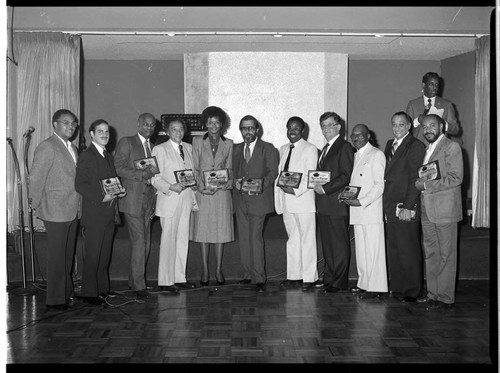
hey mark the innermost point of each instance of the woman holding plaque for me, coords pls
(212, 163)
(96, 181)
(175, 200)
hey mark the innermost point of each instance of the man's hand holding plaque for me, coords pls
(317, 178)
(250, 186)
(349, 195)
(147, 164)
(112, 188)
(429, 171)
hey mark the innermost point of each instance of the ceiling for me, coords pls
(141, 33)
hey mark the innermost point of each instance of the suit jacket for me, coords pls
(339, 161)
(52, 182)
(416, 107)
(91, 168)
(443, 197)
(401, 172)
(263, 164)
(368, 173)
(304, 158)
(169, 160)
(128, 149)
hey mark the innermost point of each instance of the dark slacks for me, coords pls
(61, 244)
(139, 232)
(404, 258)
(98, 245)
(251, 242)
(334, 233)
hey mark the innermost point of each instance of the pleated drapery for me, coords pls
(481, 164)
(47, 79)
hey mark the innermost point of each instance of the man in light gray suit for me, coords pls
(55, 201)
(138, 205)
(441, 211)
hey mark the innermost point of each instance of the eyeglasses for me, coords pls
(356, 135)
(146, 124)
(67, 123)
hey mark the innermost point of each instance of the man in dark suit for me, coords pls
(337, 157)
(253, 160)
(138, 205)
(430, 103)
(98, 214)
(441, 211)
(55, 201)
(404, 155)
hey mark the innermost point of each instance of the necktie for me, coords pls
(247, 153)
(181, 151)
(322, 156)
(428, 106)
(148, 149)
(394, 147)
(70, 149)
(288, 158)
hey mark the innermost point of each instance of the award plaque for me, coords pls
(215, 179)
(289, 179)
(252, 186)
(186, 177)
(429, 171)
(142, 163)
(349, 192)
(111, 186)
(317, 178)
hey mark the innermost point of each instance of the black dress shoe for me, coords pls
(306, 286)
(409, 299)
(58, 307)
(185, 285)
(320, 284)
(142, 294)
(245, 281)
(220, 283)
(169, 289)
(357, 290)
(331, 289)
(110, 294)
(438, 305)
(288, 284)
(423, 300)
(204, 283)
(94, 301)
(369, 295)
(261, 287)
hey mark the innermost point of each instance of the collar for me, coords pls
(251, 146)
(66, 143)
(426, 99)
(362, 150)
(205, 136)
(332, 141)
(400, 140)
(142, 138)
(99, 148)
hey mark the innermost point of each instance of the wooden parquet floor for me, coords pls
(234, 324)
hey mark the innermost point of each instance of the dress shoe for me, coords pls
(438, 305)
(142, 294)
(220, 279)
(203, 283)
(423, 300)
(331, 289)
(58, 307)
(306, 286)
(220, 283)
(369, 295)
(185, 285)
(93, 301)
(356, 290)
(408, 299)
(245, 281)
(320, 284)
(169, 289)
(110, 294)
(288, 284)
(261, 287)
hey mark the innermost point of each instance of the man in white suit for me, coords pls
(298, 208)
(366, 215)
(175, 201)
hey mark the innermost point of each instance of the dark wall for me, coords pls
(379, 88)
(459, 87)
(119, 91)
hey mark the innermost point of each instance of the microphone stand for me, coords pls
(21, 213)
(30, 209)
